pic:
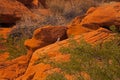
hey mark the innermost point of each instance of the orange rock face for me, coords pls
(46, 35)
(75, 27)
(11, 11)
(4, 32)
(103, 16)
(13, 69)
(4, 56)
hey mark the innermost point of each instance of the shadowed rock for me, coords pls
(12, 11)
(45, 36)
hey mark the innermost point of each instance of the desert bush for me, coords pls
(87, 58)
(56, 76)
(42, 58)
(114, 29)
(13, 47)
(2, 44)
(24, 27)
(56, 6)
(70, 9)
(55, 20)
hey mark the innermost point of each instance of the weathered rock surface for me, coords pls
(4, 56)
(4, 32)
(33, 3)
(11, 69)
(11, 11)
(75, 27)
(45, 36)
(103, 16)
(39, 70)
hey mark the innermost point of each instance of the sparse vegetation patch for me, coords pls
(101, 62)
(15, 47)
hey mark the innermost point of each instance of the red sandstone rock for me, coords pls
(103, 16)
(75, 28)
(4, 32)
(45, 36)
(13, 68)
(11, 11)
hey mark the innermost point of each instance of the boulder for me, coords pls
(12, 11)
(103, 16)
(46, 35)
(75, 27)
(12, 69)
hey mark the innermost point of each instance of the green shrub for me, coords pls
(113, 28)
(15, 47)
(1, 44)
(55, 76)
(42, 59)
(25, 27)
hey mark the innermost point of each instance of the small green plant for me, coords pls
(2, 44)
(2, 51)
(15, 48)
(113, 28)
(42, 59)
(56, 76)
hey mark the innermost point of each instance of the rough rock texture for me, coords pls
(45, 36)
(29, 3)
(103, 16)
(33, 3)
(75, 27)
(11, 11)
(11, 69)
(38, 71)
(4, 32)
(4, 56)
